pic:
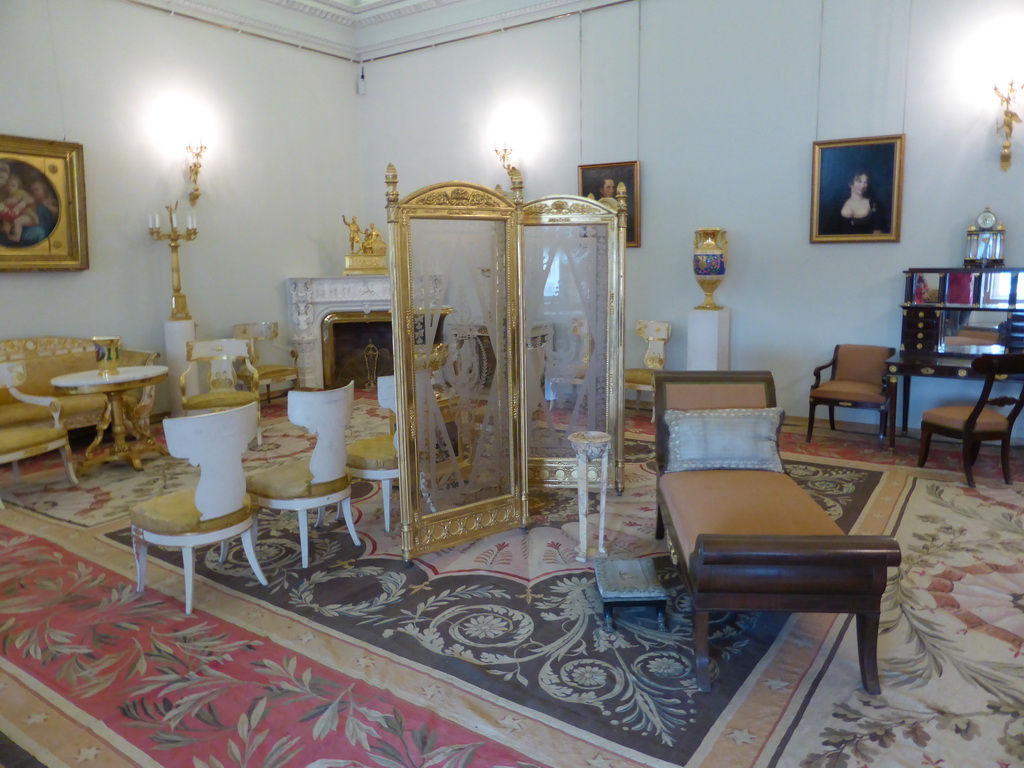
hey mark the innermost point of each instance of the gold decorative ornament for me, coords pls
(179, 302)
(709, 262)
(369, 252)
(193, 171)
(1005, 123)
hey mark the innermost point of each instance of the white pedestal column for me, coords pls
(176, 333)
(707, 340)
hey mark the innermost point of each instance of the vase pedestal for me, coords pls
(707, 340)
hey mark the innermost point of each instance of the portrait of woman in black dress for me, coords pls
(857, 190)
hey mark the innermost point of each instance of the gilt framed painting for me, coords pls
(857, 190)
(42, 205)
(601, 180)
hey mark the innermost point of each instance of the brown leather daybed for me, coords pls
(744, 536)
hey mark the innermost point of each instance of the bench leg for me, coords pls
(867, 651)
(700, 650)
(659, 525)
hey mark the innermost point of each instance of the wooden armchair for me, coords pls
(218, 362)
(23, 442)
(975, 424)
(857, 381)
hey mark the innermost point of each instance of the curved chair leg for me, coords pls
(867, 650)
(700, 651)
(832, 418)
(188, 563)
(69, 468)
(810, 421)
(223, 552)
(385, 490)
(882, 424)
(1004, 455)
(926, 444)
(139, 548)
(970, 452)
(345, 506)
(303, 521)
(249, 545)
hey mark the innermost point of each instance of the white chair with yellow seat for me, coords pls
(270, 372)
(217, 509)
(20, 442)
(299, 485)
(637, 380)
(217, 362)
(376, 458)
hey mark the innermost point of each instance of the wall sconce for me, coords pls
(1005, 123)
(193, 170)
(503, 155)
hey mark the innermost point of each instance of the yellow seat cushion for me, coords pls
(231, 398)
(854, 391)
(70, 406)
(270, 371)
(740, 501)
(373, 453)
(291, 480)
(639, 376)
(175, 514)
(954, 416)
(13, 439)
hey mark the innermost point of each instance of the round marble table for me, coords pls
(114, 384)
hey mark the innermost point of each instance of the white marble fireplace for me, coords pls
(313, 298)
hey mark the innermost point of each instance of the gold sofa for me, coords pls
(48, 356)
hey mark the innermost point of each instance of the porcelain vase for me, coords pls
(108, 353)
(709, 262)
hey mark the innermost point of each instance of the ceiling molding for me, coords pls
(361, 30)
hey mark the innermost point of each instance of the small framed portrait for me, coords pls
(42, 205)
(601, 181)
(857, 190)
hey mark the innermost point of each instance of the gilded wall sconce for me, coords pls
(1005, 123)
(193, 170)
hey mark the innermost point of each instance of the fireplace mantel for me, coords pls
(313, 298)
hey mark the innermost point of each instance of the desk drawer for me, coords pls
(921, 330)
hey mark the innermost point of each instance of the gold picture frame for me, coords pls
(42, 206)
(857, 190)
(591, 179)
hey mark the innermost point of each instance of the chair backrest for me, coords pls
(221, 355)
(995, 368)
(324, 413)
(254, 332)
(861, 362)
(215, 442)
(706, 390)
(655, 333)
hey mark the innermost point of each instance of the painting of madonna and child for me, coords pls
(857, 190)
(42, 205)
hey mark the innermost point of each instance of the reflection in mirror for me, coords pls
(926, 288)
(460, 360)
(973, 332)
(566, 315)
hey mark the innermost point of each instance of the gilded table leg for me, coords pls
(101, 427)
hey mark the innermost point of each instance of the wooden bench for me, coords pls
(752, 540)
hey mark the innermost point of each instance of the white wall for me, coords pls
(719, 101)
(281, 168)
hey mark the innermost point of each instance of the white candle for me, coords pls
(174, 221)
(191, 222)
(154, 221)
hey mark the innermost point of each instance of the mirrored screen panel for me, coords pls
(461, 358)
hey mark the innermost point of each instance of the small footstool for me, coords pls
(627, 583)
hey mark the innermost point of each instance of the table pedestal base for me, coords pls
(121, 450)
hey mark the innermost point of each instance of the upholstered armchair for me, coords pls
(270, 371)
(218, 362)
(637, 380)
(857, 380)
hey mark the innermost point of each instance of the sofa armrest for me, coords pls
(726, 549)
(47, 402)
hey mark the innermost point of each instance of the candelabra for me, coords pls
(179, 303)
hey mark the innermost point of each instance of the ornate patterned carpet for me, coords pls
(495, 654)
